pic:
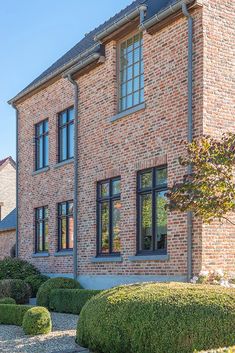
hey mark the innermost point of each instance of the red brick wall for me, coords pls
(146, 138)
(7, 241)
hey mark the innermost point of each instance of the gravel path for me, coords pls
(13, 339)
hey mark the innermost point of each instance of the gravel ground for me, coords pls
(13, 339)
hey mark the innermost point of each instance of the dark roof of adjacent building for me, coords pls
(9, 222)
(153, 7)
(10, 159)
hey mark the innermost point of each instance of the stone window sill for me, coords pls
(128, 112)
(61, 164)
(63, 253)
(149, 258)
(106, 259)
(41, 254)
(39, 171)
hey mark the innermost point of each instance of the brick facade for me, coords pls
(151, 137)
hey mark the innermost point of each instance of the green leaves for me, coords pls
(209, 190)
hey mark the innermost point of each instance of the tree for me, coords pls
(208, 191)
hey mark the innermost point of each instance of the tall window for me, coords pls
(66, 135)
(42, 145)
(131, 91)
(108, 216)
(151, 211)
(41, 226)
(65, 225)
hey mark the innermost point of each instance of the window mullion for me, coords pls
(110, 218)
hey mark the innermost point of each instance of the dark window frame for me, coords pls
(37, 148)
(42, 220)
(60, 217)
(61, 126)
(99, 200)
(149, 190)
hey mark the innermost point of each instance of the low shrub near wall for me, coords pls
(37, 321)
(222, 350)
(12, 268)
(35, 282)
(70, 300)
(7, 300)
(16, 289)
(12, 314)
(158, 318)
(43, 295)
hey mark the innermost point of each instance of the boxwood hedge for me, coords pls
(35, 282)
(37, 321)
(12, 314)
(16, 289)
(43, 295)
(15, 268)
(7, 300)
(70, 300)
(158, 318)
(222, 350)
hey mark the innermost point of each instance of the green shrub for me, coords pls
(35, 282)
(158, 318)
(43, 295)
(37, 321)
(11, 314)
(222, 350)
(16, 289)
(70, 300)
(7, 300)
(16, 269)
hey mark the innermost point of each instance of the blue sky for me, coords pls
(33, 34)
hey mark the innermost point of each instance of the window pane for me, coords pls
(141, 81)
(142, 96)
(129, 45)
(146, 221)
(71, 140)
(136, 83)
(70, 208)
(130, 58)
(40, 128)
(71, 114)
(123, 63)
(136, 98)
(137, 55)
(70, 235)
(63, 144)
(63, 233)
(63, 209)
(116, 226)
(104, 227)
(63, 118)
(129, 73)
(146, 180)
(123, 76)
(137, 69)
(45, 212)
(161, 177)
(104, 189)
(123, 49)
(40, 152)
(46, 151)
(123, 104)
(45, 126)
(129, 87)
(161, 220)
(46, 236)
(129, 101)
(116, 187)
(40, 213)
(136, 40)
(123, 90)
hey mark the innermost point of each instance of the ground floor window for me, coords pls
(151, 211)
(108, 216)
(65, 225)
(41, 227)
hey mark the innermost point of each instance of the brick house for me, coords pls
(8, 235)
(129, 92)
(7, 186)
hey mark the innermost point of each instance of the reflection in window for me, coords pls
(152, 213)
(65, 225)
(41, 145)
(109, 214)
(41, 229)
(66, 134)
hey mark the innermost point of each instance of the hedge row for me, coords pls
(34, 320)
(16, 269)
(16, 289)
(222, 350)
(158, 318)
(70, 300)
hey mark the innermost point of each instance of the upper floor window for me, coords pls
(108, 216)
(65, 224)
(41, 229)
(66, 135)
(131, 75)
(151, 211)
(42, 145)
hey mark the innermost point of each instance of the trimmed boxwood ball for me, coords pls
(16, 289)
(37, 321)
(7, 300)
(158, 318)
(12, 268)
(70, 300)
(35, 282)
(43, 295)
(11, 314)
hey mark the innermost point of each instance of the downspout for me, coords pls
(75, 197)
(190, 132)
(17, 180)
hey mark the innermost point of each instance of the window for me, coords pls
(131, 75)
(66, 135)
(41, 226)
(65, 225)
(108, 216)
(42, 145)
(151, 211)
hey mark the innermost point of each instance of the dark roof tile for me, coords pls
(9, 222)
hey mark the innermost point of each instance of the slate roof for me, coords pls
(154, 6)
(9, 222)
(5, 159)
